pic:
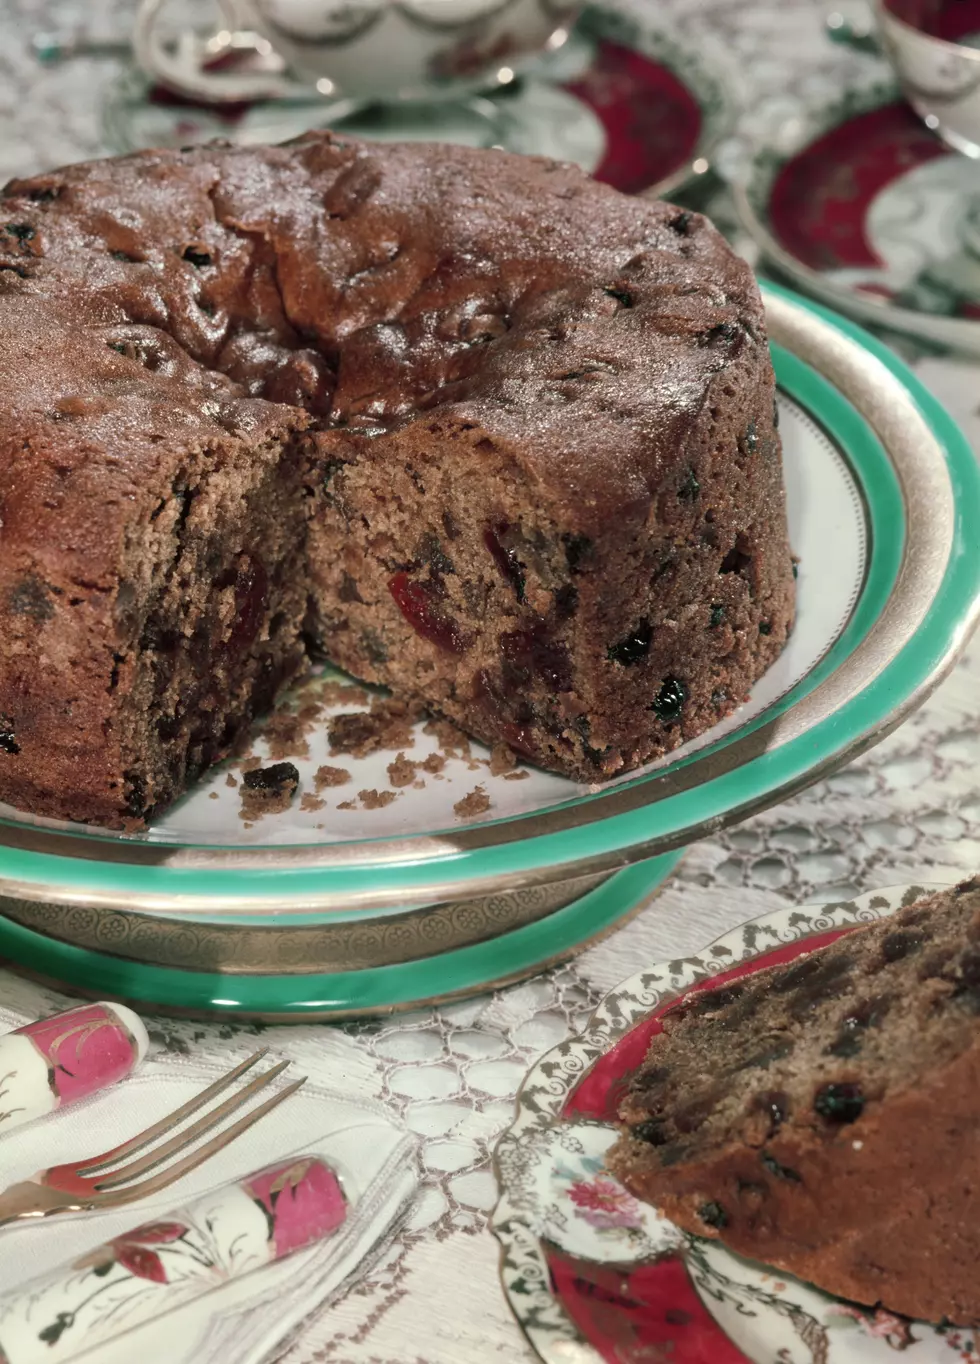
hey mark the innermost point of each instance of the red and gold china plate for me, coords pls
(596, 1277)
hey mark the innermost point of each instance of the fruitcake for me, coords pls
(472, 425)
(821, 1116)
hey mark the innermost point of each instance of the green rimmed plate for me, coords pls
(884, 494)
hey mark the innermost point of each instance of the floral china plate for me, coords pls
(593, 1275)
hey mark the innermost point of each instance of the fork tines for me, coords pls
(124, 1177)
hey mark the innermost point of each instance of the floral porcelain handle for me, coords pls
(59, 1060)
(162, 1265)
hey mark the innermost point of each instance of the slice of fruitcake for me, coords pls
(822, 1116)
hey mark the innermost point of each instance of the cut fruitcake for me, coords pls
(473, 425)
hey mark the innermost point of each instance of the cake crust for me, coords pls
(473, 425)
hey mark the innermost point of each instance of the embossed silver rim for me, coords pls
(613, 829)
(522, 1266)
(325, 948)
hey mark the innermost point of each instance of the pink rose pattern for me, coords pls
(303, 1201)
(605, 1204)
(86, 1049)
(879, 1323)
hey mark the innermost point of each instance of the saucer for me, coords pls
(863, 207)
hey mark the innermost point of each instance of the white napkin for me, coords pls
(245, 1320)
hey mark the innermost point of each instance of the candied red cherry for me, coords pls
(419, 604)
(251, 583)
(530, 653)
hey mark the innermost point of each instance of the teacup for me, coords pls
(357, 50)
(934, 48)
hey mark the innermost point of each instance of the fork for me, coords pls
(113, 1178)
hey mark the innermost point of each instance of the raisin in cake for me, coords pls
(472, 425)
(823, 1116)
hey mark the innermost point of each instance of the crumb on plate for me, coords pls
(476, 802)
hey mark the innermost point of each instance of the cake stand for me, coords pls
(332, 911)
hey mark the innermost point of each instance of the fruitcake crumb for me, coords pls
(418, 785)
(435, 762)
(387, 725)
(268, 790)
(347, 805)
(285, 734)
(452, 741)
(212, 795)
(519, 775)
(309, 801)
(502, 759)
(352, 732)
(230, 780)
(376, 800)
(402, 771)
(475, 803)
(250, 764)
(330, 776)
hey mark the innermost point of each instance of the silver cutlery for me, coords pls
(123, 1175)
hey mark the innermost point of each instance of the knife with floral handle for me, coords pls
(139, 1276)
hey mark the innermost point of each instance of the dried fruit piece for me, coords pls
(839, 1102)
(419, 603)
(670, 699)
(713, 1215)
(634, 647)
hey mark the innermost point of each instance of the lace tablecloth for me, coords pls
(908, 810)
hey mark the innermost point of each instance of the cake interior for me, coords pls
(818, 1041)
(217, 600)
